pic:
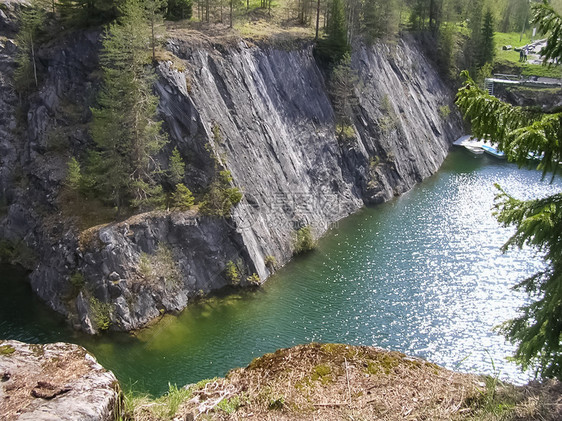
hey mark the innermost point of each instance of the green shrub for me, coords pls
(230, 405)
(145, 266)
(74, 174)
(234, 195)
(161, 264)
(345, 133)
(254, 279)
(444, 111)
(231, 272)
(217, 136)
(7, 350)
(270, 262)
(76, 284)
(221, 196)
(17, 252)
(182, 198)
(304, 241)
(101, 313)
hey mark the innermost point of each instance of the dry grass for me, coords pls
(340, 382)
(278, 27)
(52, 375)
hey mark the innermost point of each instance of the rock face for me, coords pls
(54, 382)
(263, 114)
(278, 135)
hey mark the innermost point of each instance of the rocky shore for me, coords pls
(307, 382)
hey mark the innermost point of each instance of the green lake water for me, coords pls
(422, 274)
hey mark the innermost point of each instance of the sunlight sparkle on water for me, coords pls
(422, 274)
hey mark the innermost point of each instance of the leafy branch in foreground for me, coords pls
(519, 132)
(522, 133)
(538, 329)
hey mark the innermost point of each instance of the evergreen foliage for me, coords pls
(342, 91)
(475, 35)
(176, 171)
(88, 12)
(154, 10)
(381, 18)
(74, 174)
(521, 132)
(221, 196)
(334, 46)
(486, 50)
(304, 241)
(182, 198)
(179, 9)
(124, 126)
(31, 22)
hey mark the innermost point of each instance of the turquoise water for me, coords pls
(422, 274)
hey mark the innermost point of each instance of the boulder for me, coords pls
(57, 381)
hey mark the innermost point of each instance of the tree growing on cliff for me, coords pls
(334, 46)
(342, 92)
(124, 125)
(519, 132)
(381, 18)
(31, 21)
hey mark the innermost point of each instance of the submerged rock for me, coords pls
(57, 381)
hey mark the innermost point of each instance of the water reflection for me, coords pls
(422, 274)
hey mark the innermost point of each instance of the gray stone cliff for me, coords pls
(277, 138)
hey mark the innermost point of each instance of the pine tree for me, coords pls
(342, 92)
(381, 18)
(182, 199)
(486, 51)
(334, 46)
(74, 174)
(176, 170)
(519, 132)
(475, 35)
(124, 126)
(88, 12)
(31, 21)
(154, 9)
(179, 9)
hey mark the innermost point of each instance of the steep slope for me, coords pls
(261, 113)
(278, 135)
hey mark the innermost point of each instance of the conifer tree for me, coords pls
(487, 47)
(342, 91)
(176, 171)
(124, 126)
(31, 21)
(154, 9)
(179, 9)
(520, 132)
(381, 18)
(335, 45)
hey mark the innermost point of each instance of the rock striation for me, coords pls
(262, 113)
(57, 381)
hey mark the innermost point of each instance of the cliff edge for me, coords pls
(261, 113)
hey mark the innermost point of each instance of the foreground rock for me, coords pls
(54, 382)
(341, 382)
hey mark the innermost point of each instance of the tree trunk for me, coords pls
(34, 64)
(317, 19)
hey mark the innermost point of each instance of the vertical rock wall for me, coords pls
(263, 114)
